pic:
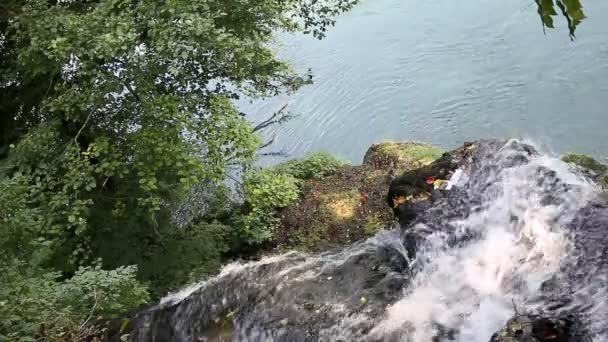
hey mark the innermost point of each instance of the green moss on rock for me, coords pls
(342, 204)
(401, 155)
(599, 171)
(586, 162)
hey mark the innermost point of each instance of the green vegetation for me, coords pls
(265, 192)
(411, 152)
(44, 304)
(589, 163)
(401, 154)
(586, 162)
(314, 166)
(373, 224)
(571, 10)
(111, 113)
(269, 190)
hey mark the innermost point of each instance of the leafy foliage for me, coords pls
(34, 305)
(317, 165)
(571, 10)
(110, 113)
(266, 191)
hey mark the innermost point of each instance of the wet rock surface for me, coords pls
(353, 294)
(529, 328)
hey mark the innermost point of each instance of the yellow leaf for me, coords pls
(400, 200)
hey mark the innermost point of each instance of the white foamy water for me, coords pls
(473, 288)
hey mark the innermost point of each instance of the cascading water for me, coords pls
(520, 232)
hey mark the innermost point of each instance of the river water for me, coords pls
(444, 71)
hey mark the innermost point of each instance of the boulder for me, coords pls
(532, 328)
(350, 205)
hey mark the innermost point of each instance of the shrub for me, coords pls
(40, 306)
(266, 191)
(317, 165)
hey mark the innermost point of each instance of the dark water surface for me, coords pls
(445, 71)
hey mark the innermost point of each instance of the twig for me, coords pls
(92, 310)
(268, 143)
(271, 120)
(50, 86)
(131, 90)
(160, 237)
(8, 10)
(273, 154)
(515, 307)
(234, 179)
(82, 128)
(104, 183)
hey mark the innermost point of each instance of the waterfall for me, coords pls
(520, 232)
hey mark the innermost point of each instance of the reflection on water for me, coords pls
(447, 71)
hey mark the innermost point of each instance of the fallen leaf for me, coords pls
(399, 200)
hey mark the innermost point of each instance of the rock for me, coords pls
(350, 205)
(400, 155)
(417, 185)
(531, 328)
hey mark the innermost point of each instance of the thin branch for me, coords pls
(82, 128)
(104, 183)
(272, 119)
(234, 179)
(160, 237)
(268, 143)
(49, 88)
(8, 10)
(92, 310)
(273, 154)
(131, 90)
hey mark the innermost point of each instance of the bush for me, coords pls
(317, 165)
(276, 187)
(266, 191)
(189, 256)
(40, 306)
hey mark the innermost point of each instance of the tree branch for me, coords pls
(269, 142)
(277, 117)
(92, 310)
(82, 128)
(8, 10)
(131, 90)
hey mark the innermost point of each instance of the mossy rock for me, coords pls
(340, 206)
(586, 162)
(597, 170)
(400, 155)
(350, 204)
